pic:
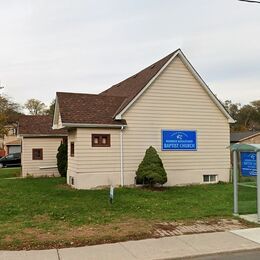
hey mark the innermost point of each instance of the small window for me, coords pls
(37, 154)
(210, 178)
(14, 131)
(72, 149)
(71, 180)
(101, 140)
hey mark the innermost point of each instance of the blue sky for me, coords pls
(87, 46)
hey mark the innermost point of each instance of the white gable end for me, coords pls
(177, 101)
(57, 123)
(179, 55)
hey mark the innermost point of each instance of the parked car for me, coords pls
(10, 160)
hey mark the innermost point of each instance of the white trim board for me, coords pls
(92, 125)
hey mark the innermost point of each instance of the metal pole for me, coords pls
(258, 185)
(235, 182)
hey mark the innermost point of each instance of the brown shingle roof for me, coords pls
(238, 136)
(101, 109)
(89, 109)
(131, 86)
(37, 125)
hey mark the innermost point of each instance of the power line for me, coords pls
(250, 1)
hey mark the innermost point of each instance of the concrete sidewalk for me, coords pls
(161, 248)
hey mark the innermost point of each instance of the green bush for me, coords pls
(151, 170)
(62, 159)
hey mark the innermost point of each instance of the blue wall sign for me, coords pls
(248, 163)
(181, 140)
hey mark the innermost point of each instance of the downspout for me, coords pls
(121, 157)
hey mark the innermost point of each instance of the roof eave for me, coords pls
(83, 125)
(42, 135)
(231, 120)
(248, 137)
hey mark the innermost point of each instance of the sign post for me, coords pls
(258, 185)
(235, 182)
(111, 194)
(250, 166)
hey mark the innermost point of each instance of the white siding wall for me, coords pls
(94, 166)
(50, 149)
(176, 101)
(72, 164)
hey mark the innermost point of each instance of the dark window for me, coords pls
(210, 178)
(37, 154)
(72, 149)
(101, 140)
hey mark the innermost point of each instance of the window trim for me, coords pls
(72, 144)
(37, 159)
(100, 136)
(209, 176)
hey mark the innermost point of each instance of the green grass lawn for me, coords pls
(247, 195)
(9, 172)
(45, 212)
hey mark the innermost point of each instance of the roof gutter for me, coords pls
(42, 135)
(92, 125)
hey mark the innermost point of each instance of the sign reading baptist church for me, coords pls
(248, 164)
(178, 140)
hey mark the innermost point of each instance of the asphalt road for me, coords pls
(248, 255)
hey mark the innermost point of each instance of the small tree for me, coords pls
(151, 170)
(62, 159)
(50, 110)
(35, 107)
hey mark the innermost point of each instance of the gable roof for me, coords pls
(38, 125)
(107, 108)
(131, 86)
(241, 136)
(77, 108)
(134, 86)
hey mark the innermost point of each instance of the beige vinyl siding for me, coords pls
(57, 122)
(94, 166)
(72, 164)
(176, 101)
(50, 148)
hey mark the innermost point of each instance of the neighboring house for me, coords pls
(39, 145)
(248, 137)
(10, 143)
(13, 147)
(109, 133)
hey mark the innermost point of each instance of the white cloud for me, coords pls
(87, 45)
